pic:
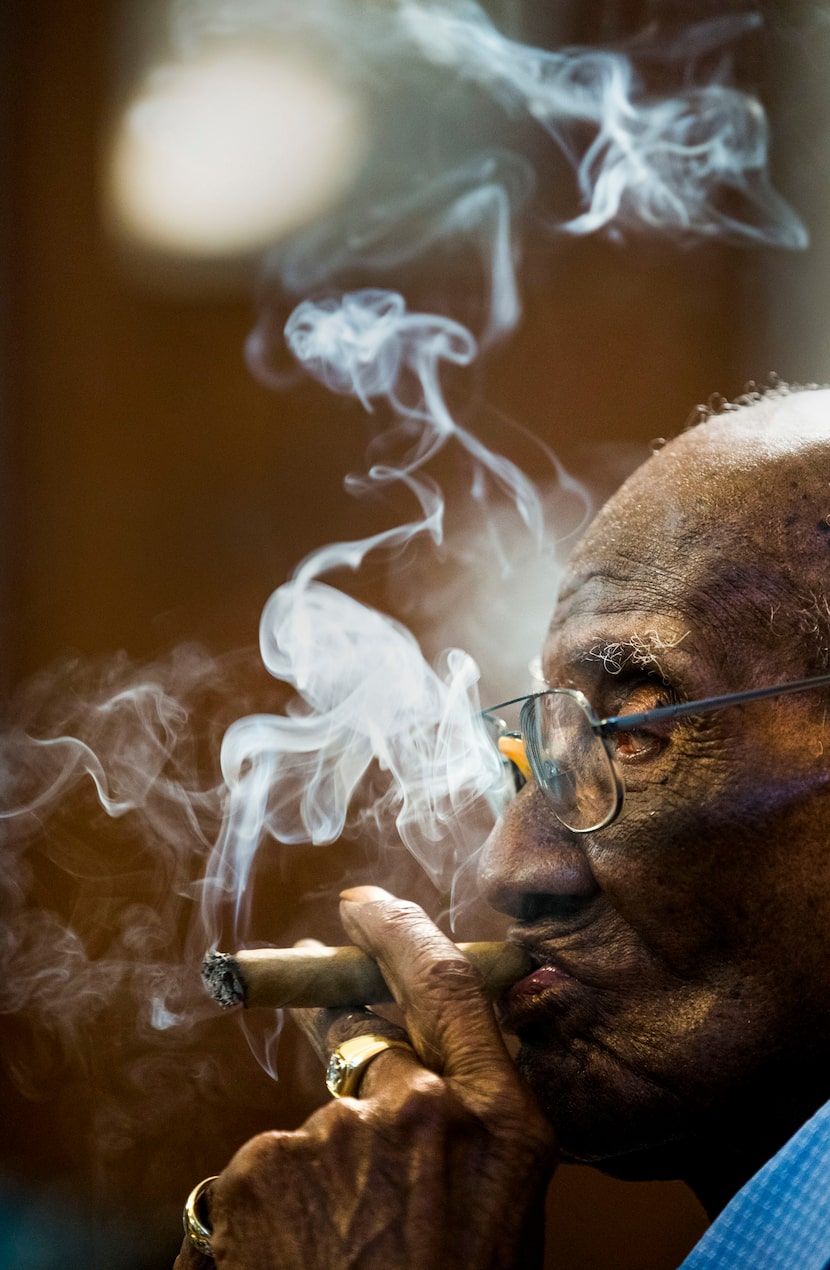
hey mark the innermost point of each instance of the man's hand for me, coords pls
(443, 1160)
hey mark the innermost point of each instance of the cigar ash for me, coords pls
(221, 977)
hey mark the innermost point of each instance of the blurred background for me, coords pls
(154, 491)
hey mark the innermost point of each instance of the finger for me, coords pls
(386, 1074)
(190, 1259)
(326, 1029)
(447, 1016)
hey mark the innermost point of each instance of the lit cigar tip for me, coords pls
(222, 979)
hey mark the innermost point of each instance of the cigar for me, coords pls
(308, 976)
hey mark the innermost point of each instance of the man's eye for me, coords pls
(637, 744)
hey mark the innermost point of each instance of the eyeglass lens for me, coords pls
(569, 760)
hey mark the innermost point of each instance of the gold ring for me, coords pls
(196, 1229)
(350, 1060)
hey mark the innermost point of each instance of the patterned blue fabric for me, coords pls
(781, 1219)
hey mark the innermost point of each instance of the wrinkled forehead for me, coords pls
(718, 533)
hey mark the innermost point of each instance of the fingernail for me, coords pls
(364, 895)
(308, 943)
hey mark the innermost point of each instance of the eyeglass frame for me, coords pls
(605, 728)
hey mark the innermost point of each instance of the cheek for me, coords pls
(723, 886)
(658, 866)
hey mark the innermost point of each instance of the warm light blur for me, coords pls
(224, 155)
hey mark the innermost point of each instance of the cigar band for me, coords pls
(350, 1060)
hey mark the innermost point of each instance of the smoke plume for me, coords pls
(651, 138)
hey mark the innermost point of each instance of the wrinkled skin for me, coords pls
(678, 1023)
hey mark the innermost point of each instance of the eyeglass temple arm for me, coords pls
(624, 722)
(514, 748)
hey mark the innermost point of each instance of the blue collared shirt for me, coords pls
(781, 1219)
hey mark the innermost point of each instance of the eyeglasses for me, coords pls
(566, 748)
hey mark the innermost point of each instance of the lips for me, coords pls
(544, 991)
(540, 980)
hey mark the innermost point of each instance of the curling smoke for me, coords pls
(368, 713)
(692, 161)
(367, 697)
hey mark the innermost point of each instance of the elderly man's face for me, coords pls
(684, 967)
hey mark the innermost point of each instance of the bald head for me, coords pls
(765, 466)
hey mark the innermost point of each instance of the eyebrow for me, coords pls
(642, 651)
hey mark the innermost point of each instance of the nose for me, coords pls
(531, 865)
